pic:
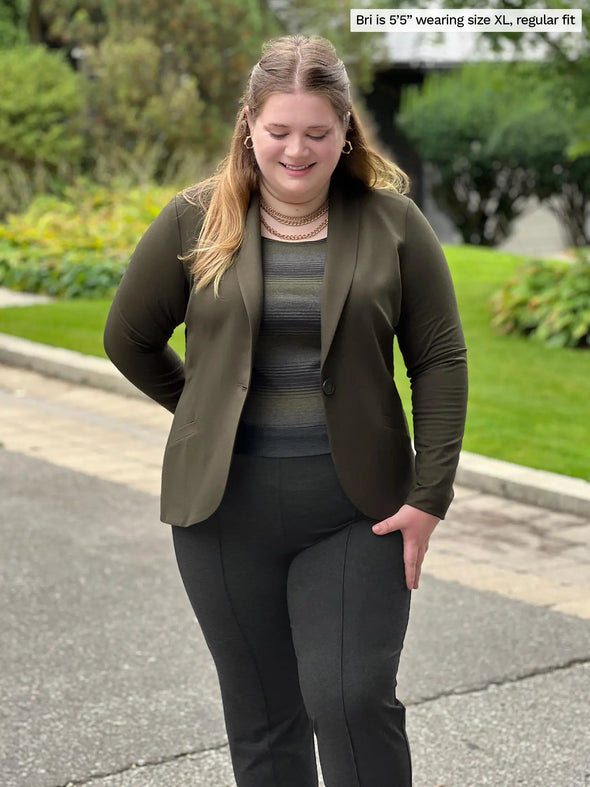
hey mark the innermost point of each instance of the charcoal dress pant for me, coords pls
(304, 610)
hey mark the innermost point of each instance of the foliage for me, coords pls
(40, 109)
(450, 121)
(159, 77)
(548, 301)
(498, 133)
(207, 30)
(539, 137)
(12, 23)
(69, 23)
(158, 84)
(138, 104)
(194, 55)
(565, 55)
(19, 184)
(77, 246)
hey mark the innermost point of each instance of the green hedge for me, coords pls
(78, 246)
(548, 301)
(41, 104)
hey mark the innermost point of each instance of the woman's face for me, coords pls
(298, 140)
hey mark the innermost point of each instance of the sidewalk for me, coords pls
(105, 679)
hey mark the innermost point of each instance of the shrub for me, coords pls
(548, 301)
(138, 104)
(498, 133)
(41, 109)
(78, 246)
(13, 30)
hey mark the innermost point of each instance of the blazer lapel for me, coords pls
(249, 268)
(342, 247)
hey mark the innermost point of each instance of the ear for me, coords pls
(248, 118)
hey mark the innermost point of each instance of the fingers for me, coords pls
(410, 563)
(416, 527)
(413, 559)
(385, 526)
(413, 553)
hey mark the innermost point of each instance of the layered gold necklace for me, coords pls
(294, 221)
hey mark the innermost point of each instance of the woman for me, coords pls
(299, 515)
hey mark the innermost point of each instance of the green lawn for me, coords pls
(528, 404)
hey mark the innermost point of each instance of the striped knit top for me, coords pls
(283, 413)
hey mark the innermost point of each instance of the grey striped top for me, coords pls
(283, 413)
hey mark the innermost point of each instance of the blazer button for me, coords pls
(328, 386)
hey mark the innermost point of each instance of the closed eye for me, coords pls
(282, 136)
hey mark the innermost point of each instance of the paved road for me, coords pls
(104, 676)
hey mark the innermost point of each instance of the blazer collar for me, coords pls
(341, 257)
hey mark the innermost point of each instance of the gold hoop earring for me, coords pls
(246, 145)
(347, 150)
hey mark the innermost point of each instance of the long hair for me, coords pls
(287, 64)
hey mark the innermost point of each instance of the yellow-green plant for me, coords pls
(548, 301)
(76, 246)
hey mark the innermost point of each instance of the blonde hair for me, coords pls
(287, 64)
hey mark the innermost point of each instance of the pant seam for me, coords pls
(346, 723)
(280, 497)
(254, 661)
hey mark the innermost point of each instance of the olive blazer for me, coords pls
(385, 276)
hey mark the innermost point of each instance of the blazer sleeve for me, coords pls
(431, 340)
(150, 302)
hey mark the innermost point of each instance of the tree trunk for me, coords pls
(34, 26)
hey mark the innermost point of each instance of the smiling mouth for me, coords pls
(296, 169)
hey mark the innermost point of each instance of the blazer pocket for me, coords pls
(178, 433)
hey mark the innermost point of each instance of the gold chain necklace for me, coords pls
(280, 235)
(295, 221)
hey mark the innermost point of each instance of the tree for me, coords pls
(498, 134)
(13, 28)
(449, 122)
(40, 109)
(539, 137)
(568, 55)
(162, 80)
(41, 139)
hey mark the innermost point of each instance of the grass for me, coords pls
(528, 404)
(76, 325)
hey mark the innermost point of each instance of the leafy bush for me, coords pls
(548, 301)
(41, 106)
(78, 246)
(498, 133)
(137, 102)
(42, 145)
(13, 29)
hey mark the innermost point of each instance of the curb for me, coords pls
(67, 365)
(492, 476)
(524, 484)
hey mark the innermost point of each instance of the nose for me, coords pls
(296, 145)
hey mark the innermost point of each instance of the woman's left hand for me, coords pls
(416, 527)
